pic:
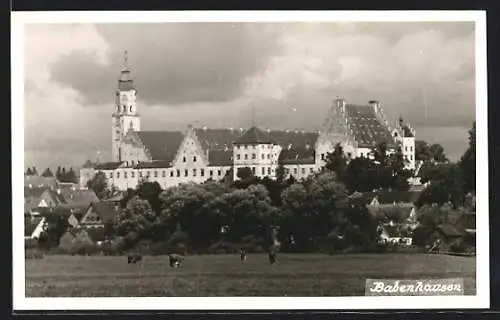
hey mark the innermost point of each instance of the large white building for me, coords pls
(200, 154)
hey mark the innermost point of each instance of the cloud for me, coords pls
(214, 74)
(172, 63)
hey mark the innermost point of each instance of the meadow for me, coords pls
(225, 275)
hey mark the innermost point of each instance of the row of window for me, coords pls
(177, 173)
(254, 156)
(411, 148)
(252, 147)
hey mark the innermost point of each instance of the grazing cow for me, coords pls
(134, 258)
(175, 260)
(243, 255)
(273, 256)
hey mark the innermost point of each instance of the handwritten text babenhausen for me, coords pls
(428, 287)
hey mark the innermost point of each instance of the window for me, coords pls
(246, 156)
(219, 173)
(311, 170)
(132, 174)
(406, 148)
(194, 159)
(268, 155)
(140, 174)
(183, 159)
(238, 156)
(253, 170)
(125, 175)
(117, 175)
(211, 173)
(349, 155)
(194, 172)
(263, 156)
(202, 172)
(163, 173)
(411, 157)
(411, 149)
(322, 156)
(269, 170)
(294, 170)
(178, 172)
(171, 173)
(263, 171)
(253, 156)
(186, 173)
(287, 171)
(246, 147)
(111, 175)
(147, 174)
(303, 170)
(130, 112)
(156, 174)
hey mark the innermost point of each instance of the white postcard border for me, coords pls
(20, 302)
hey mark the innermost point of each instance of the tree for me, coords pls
(99, 183)
(426, 152)
(34, 171)
(244, 173)
(467, 162)
(137, 218)
(280, 172)
(445, 186)
(47, 173)
(29, 172)
(361, 175)
(150, 191)
(70, 176)
(336, 161)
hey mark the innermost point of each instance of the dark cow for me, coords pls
(273, 256)
(175, 260)
(243, 255)
(134, 258)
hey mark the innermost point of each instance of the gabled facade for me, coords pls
(199, 154)
(98, 214)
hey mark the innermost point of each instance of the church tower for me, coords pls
(125, 116)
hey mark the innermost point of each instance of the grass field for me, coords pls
(224, 275)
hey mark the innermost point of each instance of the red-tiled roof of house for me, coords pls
(367, 129)
(253, 136)
(162, 145)
(294, 139)
(296, 156)
(34, 191)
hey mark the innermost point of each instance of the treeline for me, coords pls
(62, 175)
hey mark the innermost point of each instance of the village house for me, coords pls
(447, 234)
(200, 154)
(98, 214)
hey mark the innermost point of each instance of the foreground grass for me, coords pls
(224, 275)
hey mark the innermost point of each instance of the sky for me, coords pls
(214, 74)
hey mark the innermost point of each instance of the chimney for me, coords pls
(375, 105)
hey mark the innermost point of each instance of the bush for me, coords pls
(83, 246)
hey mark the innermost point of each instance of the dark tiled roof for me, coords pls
(79, 197)
(255, 135)
(367, 129)
(220, 157)
(449, 230)
(154, 164)
(390, 197)
(88, 164)
(162, 145)
(36, 181)
(297, 156)
(217, 139)
(396, 213)
(106, 210)
(295, 139)
(34, 192)
(58, 197)
(30, 225)
(108, 165)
